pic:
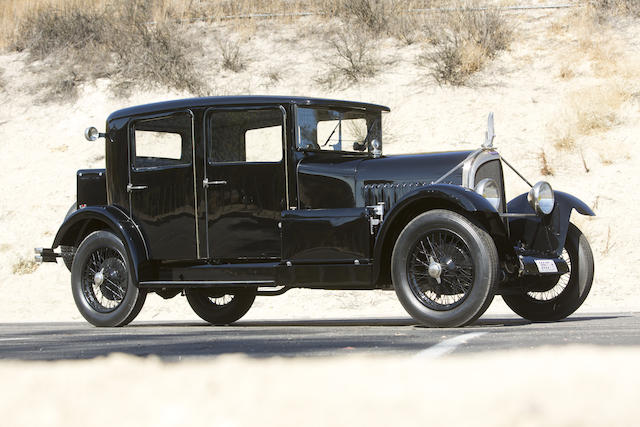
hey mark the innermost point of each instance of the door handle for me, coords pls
(131, 187)
(207, 183)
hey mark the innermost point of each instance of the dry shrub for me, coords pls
(545, 167)
(566, 72)
(74, 46)
(232, 57)
(467, 39)
(396, 18)
(606, 8)
(24, 266)
(352, 58)
(589, 111)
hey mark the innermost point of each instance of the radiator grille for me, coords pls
(492, 169)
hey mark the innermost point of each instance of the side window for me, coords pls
(245, 136)
(164, 141)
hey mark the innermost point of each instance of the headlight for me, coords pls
(541, 198)
(488, 189)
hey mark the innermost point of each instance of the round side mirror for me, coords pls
(91, 133)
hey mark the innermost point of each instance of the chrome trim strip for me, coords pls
(206, 282)
(285, 153)
(195, 186)
(456, 167)
(471, 168)
(517, 215)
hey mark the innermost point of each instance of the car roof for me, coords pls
(213, 101)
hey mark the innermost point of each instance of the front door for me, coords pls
(244, 182)
(161, 184)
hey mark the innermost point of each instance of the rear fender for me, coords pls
(546, 233)
(436, 196)
(86, 220)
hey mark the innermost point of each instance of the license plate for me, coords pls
(546, 266)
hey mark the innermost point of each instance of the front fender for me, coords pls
(91, 218)
(547, 232)
(436, 196)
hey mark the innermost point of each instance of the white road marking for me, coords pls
(447, 346)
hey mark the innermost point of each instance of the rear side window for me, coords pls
(164, 141)
(245, 135)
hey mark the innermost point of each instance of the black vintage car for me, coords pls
(226, 198)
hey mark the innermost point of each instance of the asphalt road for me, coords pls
(176, 341)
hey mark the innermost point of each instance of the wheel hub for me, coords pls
(435, 270)
(98, 279)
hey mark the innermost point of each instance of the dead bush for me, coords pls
(75, 46)
(24, 266)
(352, 58)
(467, 38)
(619, 7)
(545, 167)
(232, 57)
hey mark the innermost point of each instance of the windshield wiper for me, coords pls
(332, 132)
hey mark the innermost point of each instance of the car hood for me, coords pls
(387, 179)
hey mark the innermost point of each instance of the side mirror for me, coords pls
(489, 135)
(92, 134)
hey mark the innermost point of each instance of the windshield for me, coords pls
(337, 129)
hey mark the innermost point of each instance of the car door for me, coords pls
(161, 184)
(245, 186)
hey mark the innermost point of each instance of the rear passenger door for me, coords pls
(161, 184)
(244, 182)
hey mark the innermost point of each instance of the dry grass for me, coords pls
(70, 47)
(566, 71)
(609, 8)
(465, 41)
(232, 57)
(545, 167)
(24, 266)
(590, 110)
(353, 58)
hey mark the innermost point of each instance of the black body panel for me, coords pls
(91, 187)
(325, 236)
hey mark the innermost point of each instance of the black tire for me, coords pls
(468, 261)
(68, 252)
(561, 296)
(110, 299)
(220, 308)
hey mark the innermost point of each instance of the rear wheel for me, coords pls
(444, 269)
(220, 308)
(101, 281)
(550, 299)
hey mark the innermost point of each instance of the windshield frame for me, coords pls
(340, 109)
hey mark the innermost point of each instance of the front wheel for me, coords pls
(550, 299)
(220, 308)
(101, 281)
(444, 269)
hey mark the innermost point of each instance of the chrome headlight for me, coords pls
(541, 198)
(488, 189)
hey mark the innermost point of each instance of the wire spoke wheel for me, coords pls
(545, 299)
(220, 307)
(444, 269)
(104, 280)
(440, 270)
(101, 282)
